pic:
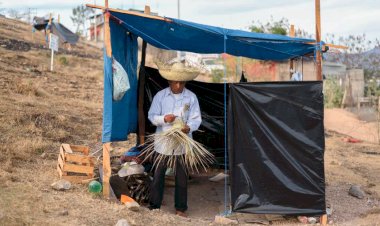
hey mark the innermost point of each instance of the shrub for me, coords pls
(63, 60)
(333, 93)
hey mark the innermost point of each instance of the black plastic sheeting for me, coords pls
(40, 23)
(276, 144)
(64, 34)
(275, 141)
(211, 102)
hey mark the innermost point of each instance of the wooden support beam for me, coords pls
(292, 31)
(329, 45)
(318, 39)
(147, 10)
(59, 18)
(107, 34)
(336, 46)
(291, 63)
(106, 169)
(141, 95)
(107, 30)
(107, 146)
(128, 12)
(142, 89)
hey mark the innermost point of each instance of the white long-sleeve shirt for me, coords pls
(184, 105)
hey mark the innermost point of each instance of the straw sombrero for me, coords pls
(178, 72)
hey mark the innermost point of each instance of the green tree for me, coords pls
(372, 89)
(80, 14)
(333, 93)
(280, 27)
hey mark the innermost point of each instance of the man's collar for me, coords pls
(184, 93)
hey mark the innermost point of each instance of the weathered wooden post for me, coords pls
(107, 146)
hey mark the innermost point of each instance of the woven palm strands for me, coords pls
(196, 156)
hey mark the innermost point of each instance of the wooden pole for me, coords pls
(147, 10)
(59, 18)
(141, 89)
(318, 38)
(329, 45)
(291, 64)
(323, 218)
(107, 32)
(106, 169)
(107, 146)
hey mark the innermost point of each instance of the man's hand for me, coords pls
(136, 159)
(186, 129)
(130, 159)
(169, 118)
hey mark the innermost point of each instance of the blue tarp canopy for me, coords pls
(120, 117)
(174, 34)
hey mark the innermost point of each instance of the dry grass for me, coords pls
(41, 109)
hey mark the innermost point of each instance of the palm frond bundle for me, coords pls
(196, 156)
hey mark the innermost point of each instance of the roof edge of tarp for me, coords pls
(129, 12)
(239, 34)
(311, 42)
(168, 19)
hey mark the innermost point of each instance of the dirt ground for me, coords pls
(350, 124)
(40, 109)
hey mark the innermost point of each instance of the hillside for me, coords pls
(40, 110)
(368, 60)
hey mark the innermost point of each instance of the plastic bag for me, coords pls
(120, 81)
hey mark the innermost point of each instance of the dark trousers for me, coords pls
(158, 184)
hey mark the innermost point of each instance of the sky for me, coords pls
(339, 17)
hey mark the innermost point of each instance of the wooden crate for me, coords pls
(75, 164)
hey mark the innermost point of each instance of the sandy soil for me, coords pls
(40, 109)
(345, 122)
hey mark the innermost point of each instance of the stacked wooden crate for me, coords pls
(75, 164)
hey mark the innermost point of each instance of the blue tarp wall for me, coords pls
(120, 117)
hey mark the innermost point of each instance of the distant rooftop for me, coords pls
(97, 15)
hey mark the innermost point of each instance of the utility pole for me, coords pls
(178, 8)
(291, 64)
